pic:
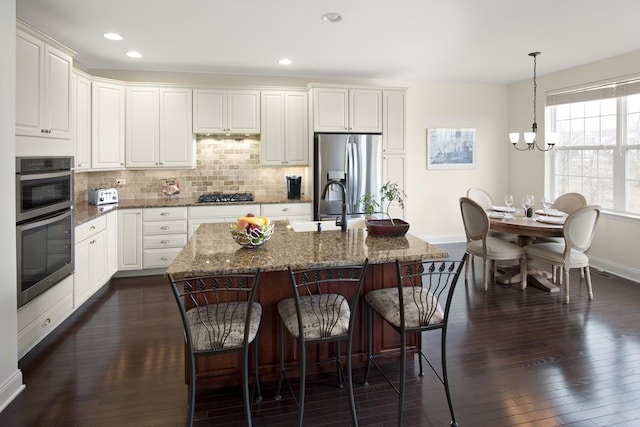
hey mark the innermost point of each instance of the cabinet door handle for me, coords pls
(165, 214)
(285, 209)
(93, 227)
(92, 242)
(164, 242)
(165, 227)
(46, 322)
(165, 258)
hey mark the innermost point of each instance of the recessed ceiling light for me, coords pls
(332, 17)
(134, 54)
(284, 61)
(112, 36)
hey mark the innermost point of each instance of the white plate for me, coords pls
(551, 219)
(550, 212)
(502, 209)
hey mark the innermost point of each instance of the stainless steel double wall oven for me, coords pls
(44, 223)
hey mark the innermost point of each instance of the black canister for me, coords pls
(294, 186)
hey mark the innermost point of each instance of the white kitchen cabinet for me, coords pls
(393, 169)
(226, 111)
(43, 86)
(164, 233)
(112, 243)
(284, 137)
(107, 125)
(293, 212)
(82, 120)
(347, 110)
(198, 215)
(91, 269)
(393, 125)
(158, 127)
(41, 315)
(129, 239)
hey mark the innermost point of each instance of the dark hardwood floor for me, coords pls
(516, 359)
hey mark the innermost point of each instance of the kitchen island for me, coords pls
(212, 250)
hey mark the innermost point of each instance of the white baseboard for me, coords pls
(615, 269)
(10, 389)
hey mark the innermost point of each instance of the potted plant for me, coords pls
(390, 192)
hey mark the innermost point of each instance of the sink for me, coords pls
(327, 225)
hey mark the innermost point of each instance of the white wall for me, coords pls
(614, 247)
(10, 376)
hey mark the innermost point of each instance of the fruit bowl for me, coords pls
(251, 237)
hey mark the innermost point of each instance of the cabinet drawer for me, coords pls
(164, 214)
(44, 324)
(153, 258)
(222, 212)
(88, 229)
(164, 241)
(281, 210)
(29, 312)
(164, 227)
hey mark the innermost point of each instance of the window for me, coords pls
(598, 148)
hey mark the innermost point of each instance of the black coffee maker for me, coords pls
(294, 186)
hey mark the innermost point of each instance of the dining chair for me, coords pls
(484, 199)
(420, 302)
(323, 310)
(489, 248)
(569, 202)
(579, 228)
(220, 316)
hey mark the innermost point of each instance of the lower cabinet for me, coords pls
(293, 212)
(129, 239)
(164, 233)
(91, 270)
(43, 314)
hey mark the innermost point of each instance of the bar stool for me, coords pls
(220, 316)
(322, 310)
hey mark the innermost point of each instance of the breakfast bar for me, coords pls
(213, 250)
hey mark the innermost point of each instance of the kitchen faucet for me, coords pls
(342, 222)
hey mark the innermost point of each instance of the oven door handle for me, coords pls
(39, 222)
(30, 177)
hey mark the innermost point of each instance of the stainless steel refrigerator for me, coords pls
(353, 159)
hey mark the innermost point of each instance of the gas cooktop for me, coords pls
(225, 197)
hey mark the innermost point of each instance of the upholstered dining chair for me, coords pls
(421, 302)
(323, 310)
(220, 316)
(484, 199)
(569, 202)
(579, 228)
(490, 249)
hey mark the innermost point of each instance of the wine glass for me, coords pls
(546, 204)
(508, 200)
(527, 202)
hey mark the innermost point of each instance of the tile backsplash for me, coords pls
(224, 165)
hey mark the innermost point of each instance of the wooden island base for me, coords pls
(225, 370)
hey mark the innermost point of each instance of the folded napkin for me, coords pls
(551, 212)
(502, 209)
(497, 215)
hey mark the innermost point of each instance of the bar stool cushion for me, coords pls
(421, 308)
(323, 316)
(221, 326)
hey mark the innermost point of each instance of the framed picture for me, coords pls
(449, 148)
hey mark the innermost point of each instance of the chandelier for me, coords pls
(530, 138)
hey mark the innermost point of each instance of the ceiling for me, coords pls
(433, 40)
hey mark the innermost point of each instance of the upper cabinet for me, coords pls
(347, 110)
(393, 124)
(43, 86)
(81, 86)
(284, 140)
(158, 128)
(226, 111)
(107, 125)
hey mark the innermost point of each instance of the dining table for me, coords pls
(527, 229)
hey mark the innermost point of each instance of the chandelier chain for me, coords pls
(535, 90)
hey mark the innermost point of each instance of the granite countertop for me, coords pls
(213, 250)
(84, 212)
